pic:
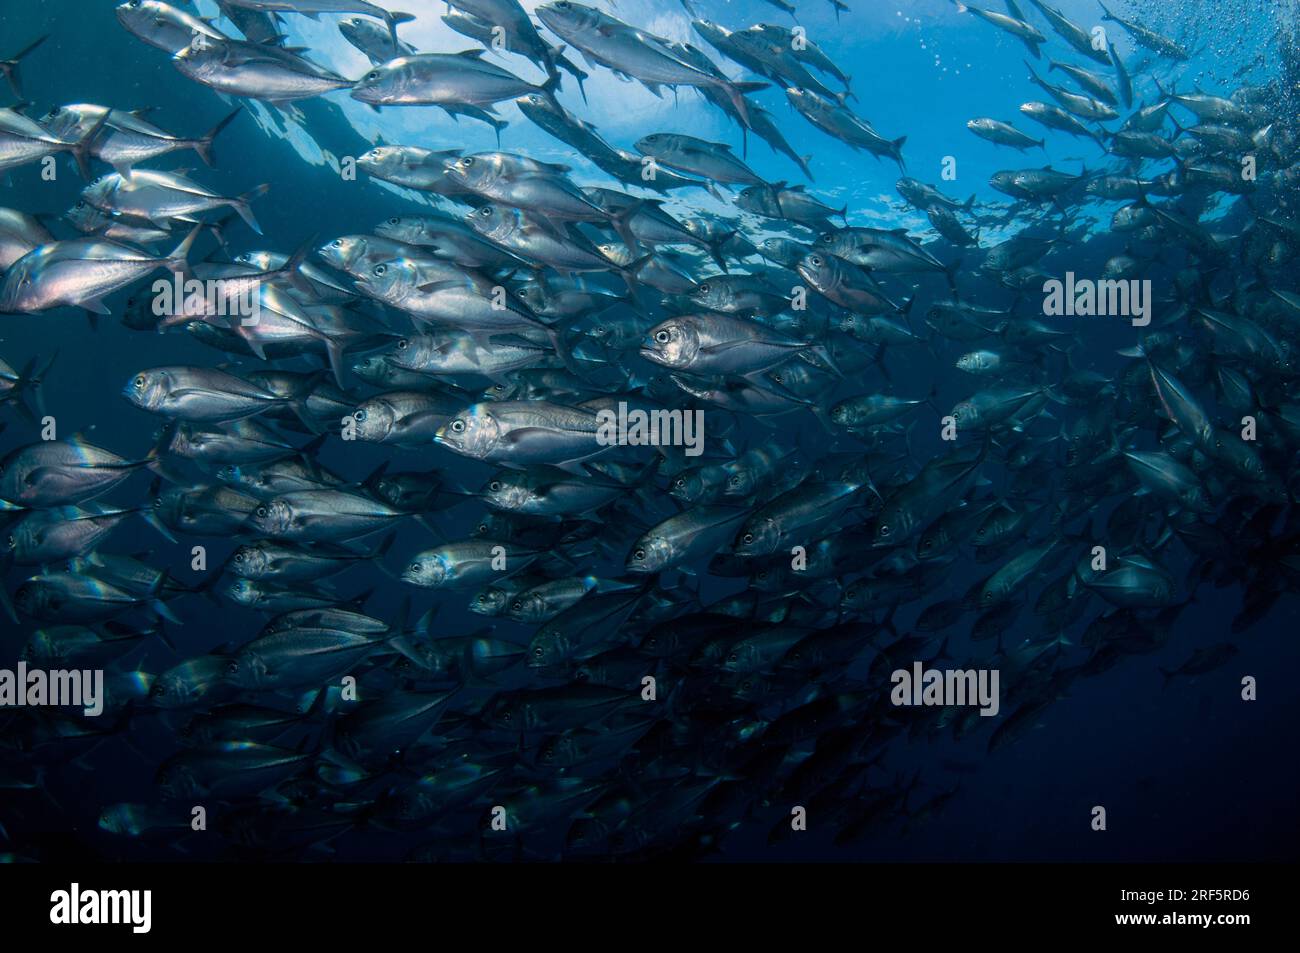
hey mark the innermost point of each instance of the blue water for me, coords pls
(1187, 772)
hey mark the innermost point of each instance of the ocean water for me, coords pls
(1185, 771)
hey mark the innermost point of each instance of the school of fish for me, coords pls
(675, 642)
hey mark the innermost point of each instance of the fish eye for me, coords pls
(139, 380)
(735, 480)
(458, 426)
(884, 529)
(481, 528)
(539, 651)
(415, 567)
(337, 243)
(372, 75)
(232, 666)
(495, 486)
(467, 161)
(534, 98)
(639, 554)
(403, 344)
(516, 606)
(815, 260)
(380, 271)
(662, 337)
(80, 205)
(485, 211)
(704, 288)
(239, 557)
(747, 538)
(392, 221)
(359, 416)
(778, 378)
(261, 512)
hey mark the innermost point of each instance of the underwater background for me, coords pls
(1186, 771)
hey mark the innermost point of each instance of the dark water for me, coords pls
(1185, 772)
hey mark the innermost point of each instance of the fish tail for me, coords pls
(736, 92)
(563, 351)
(31, 378)
(715, 249)
(291, 270)
(896, 151)
(9, 67)
(178, 260)
(394, 18)
(950, 272)
(551, 84)
(204, 145)
(81, 148)
(245, 210)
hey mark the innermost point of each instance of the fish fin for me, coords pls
(204, 145)
(9, 67)
(245, 210)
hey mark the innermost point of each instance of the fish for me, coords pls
(314, 8)
(606, 41)
(1071, 32)
(536, 449)
(1026, 32)
(125, 139)
(451, 81)
(1146, 37)
(255, 70)
(378, 44)
(1003, 133)
(23, 140)
(81, 272)
(837, 120)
